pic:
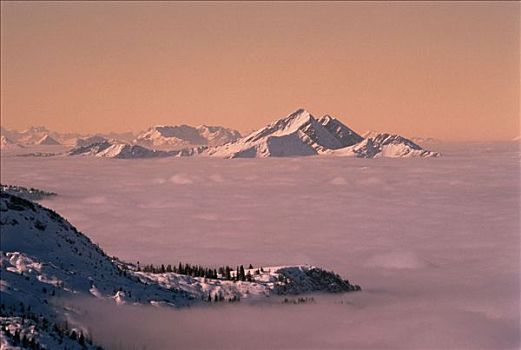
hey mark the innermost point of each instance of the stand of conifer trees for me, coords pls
(223, 272)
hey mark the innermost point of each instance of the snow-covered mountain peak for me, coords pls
(297, 134)
(386, 139)
(297, 119)
(300, 113)
(284, 126)
(172, 131)
(184, 136)
(384, 145)
(170, 136)
(300, 134)
(36, 129)
(47, 140)
(116, 149)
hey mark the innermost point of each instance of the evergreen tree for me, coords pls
(81, 339)
(242, 275)
(25, 341)
(228, 275)
(16, 337)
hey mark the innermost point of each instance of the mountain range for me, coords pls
(301, 134)
(160, 137)
(298, 134)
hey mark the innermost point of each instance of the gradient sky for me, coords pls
(444, 70)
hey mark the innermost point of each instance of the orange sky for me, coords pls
(445, 70)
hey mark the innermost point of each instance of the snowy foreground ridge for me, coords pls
(298, 134)
(44, 259)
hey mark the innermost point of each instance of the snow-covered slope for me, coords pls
(185, 136)
(47, 140)
(265, 281)
(44, 258)
(9, 134)
(32, 135)
(116, 149)
(43, 253)
(126, 151)
(41, 250)
(298, 134)
(384, 145)
(6, 143)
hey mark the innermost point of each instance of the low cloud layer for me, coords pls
(332, 322)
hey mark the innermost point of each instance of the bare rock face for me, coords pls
(342, 133)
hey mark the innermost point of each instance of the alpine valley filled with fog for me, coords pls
(316, 236)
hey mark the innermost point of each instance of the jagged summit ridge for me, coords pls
(301, 134)
(385, 145)
(183, 136)
(284, 126)
(298, 134)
